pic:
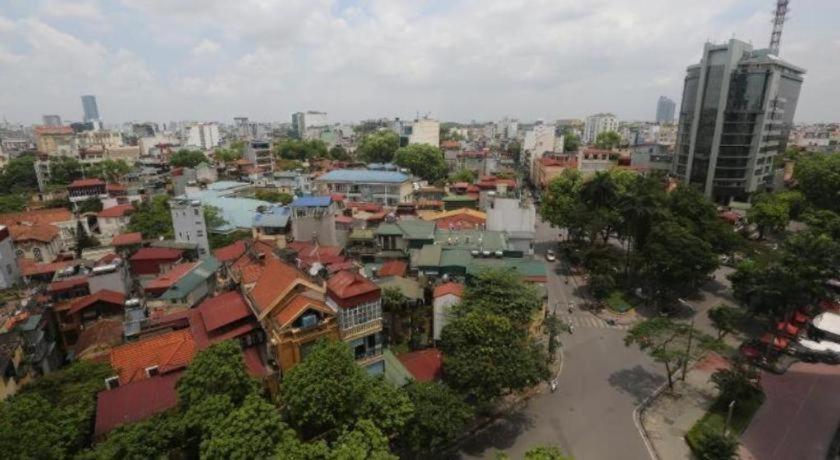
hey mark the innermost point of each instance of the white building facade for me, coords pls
(597, 124)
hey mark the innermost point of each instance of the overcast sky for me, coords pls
(456, 60)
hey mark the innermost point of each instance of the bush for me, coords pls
(716, 446)
(714, 420)
(617, 303)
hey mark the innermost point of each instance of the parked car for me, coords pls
(550, 255)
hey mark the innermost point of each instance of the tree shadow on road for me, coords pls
(638, 382)
(500, 435)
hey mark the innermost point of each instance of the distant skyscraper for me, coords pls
(52, 120)
(737, 110)
(90, 108)
(665, 108)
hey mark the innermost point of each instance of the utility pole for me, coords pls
(778, 22)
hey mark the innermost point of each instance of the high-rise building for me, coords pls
(204, 135)
(737, 109)
(301, 121)
(665, 108)
(90, 108)
(597, 124)
(51, 120)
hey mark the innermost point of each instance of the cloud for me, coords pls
(73, 9)
(6, 25)
(458, 59)
(205, 47)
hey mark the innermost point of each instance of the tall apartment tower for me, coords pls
(665, 109)
(737, 110)
(597, 124)
(91, 110)
(188, 222)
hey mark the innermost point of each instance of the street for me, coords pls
(590, 416)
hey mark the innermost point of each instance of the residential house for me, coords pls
(313, 219)
(186, 284)
(397, 238)
(590, 161)
(40, 242)
(550, 167)
(445, 296)
(517, 218)
(81, 313)
(37, 334)
(464, 218)
(385, 187)
(358, 302)
(272, 223)
(291, 308)
(114, 220)
(153, 261)
(13, 374)
(56, 141)
(59, 217)
(86, 189)
(423, 365)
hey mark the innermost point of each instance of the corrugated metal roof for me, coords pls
(363, 175)
(275, 216)
(311, 202)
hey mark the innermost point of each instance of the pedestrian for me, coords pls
(553, 385)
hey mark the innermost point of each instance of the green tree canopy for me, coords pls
(664, 340)
(364, 441)
(301, 150)
(252, 430)
(423, 160)
(379, 146)
(769, 212)
(571, 142)
(337, 152)
(155, 437)
(608, 140)
(31, 428)
(725, 318)
(502, 292)
(328, 391)
(64, 170)
(13, 202)
(19, 175)
(218, 369)
(273, 196)
(108, 170)
(440, 415)
(485, 356)
(187, 158)
(818, 177)
(714, 445)
(152, 218)
(545, 453)
(462, 175)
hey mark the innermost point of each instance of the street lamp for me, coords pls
(690, 336)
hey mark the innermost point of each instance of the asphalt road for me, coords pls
(590, 416)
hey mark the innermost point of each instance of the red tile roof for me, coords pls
(29, 267)
(86, 182)
(249, 268)
(119, 210)
(168, 254)
(276, 278)
(135, 402)
(223, 309)
(97, 339)
(116, 187)
(169, 352)
(287, 313)
(127, 239)
(53, 130)
(310, 253)
(34, 232)
(348, 289)
(337, 197)
(66, 284)
(169, 278)
(40, 216)
(449, 288)
(342, 219)
(230, 252)
(105, 296)
(392, 268)
(424, 365)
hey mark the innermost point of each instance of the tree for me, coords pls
(692, 210)
(184, 158)
(328, 391)
(714, 445)
(252, 430)
(561, 201)
(571, 142)
(13, 203)
(91, 204)
(545, 453)
(664, 340)
(502, 292)
(385, 405)
(83, 240)
(818, 177)
(364, 441)
(273, 196)
(152, 218)
(439, 417)
(768, 212)
(300, 150)
(152, 438)
(109, 170)
(64, 170)
(739, 382)
(462, 175)
(725, 319)
(423, 160)
(213, 218)
(608, 140)
(514, 150)
(19, 175)
(379, 147)
(486, 356)
(338, 152)
(675, 262)
(65, 402)
(217, 370)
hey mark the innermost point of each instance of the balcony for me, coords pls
(361, 330)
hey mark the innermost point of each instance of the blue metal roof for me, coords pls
(237, 212)
(363, 175)
(275, 216)
(311, 202)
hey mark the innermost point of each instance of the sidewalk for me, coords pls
(669, 416)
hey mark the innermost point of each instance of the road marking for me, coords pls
(589, 321)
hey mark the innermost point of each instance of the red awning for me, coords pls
(787, 328)
(800, 318)
(779, 343)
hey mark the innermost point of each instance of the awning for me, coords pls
(779, 343)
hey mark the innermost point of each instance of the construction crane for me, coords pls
(778, 22)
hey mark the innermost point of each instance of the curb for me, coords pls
(638, 413)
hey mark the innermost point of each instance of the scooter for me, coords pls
(553, 385)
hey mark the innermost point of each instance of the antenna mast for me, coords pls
(778, 22)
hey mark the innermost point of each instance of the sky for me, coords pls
(454, 60)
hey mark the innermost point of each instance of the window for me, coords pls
(152, 371)
(195, 211)
(36, 253)
(199, 233)
(112, 382)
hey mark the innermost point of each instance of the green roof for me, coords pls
(429, 256)
(389, 229)
(361, 234)
(395, 372)
(409, 229)
(409, 287)
(455, 258)
(201, 273)
(479, 240)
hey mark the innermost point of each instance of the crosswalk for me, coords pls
(590, 321)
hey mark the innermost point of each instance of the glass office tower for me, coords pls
(737, 110)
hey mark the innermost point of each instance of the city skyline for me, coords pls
(358, 60)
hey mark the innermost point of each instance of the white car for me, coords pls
(550, 256)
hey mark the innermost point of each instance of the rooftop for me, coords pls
(276, 278)
(157, 254)
(274, 216)
(449, 288)
(135, 402)
(169, 352)
(364, 176)
(86, 182)
(425, 365)
(119, 210)
(346, 285)
(311, 202)
(127, 239)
